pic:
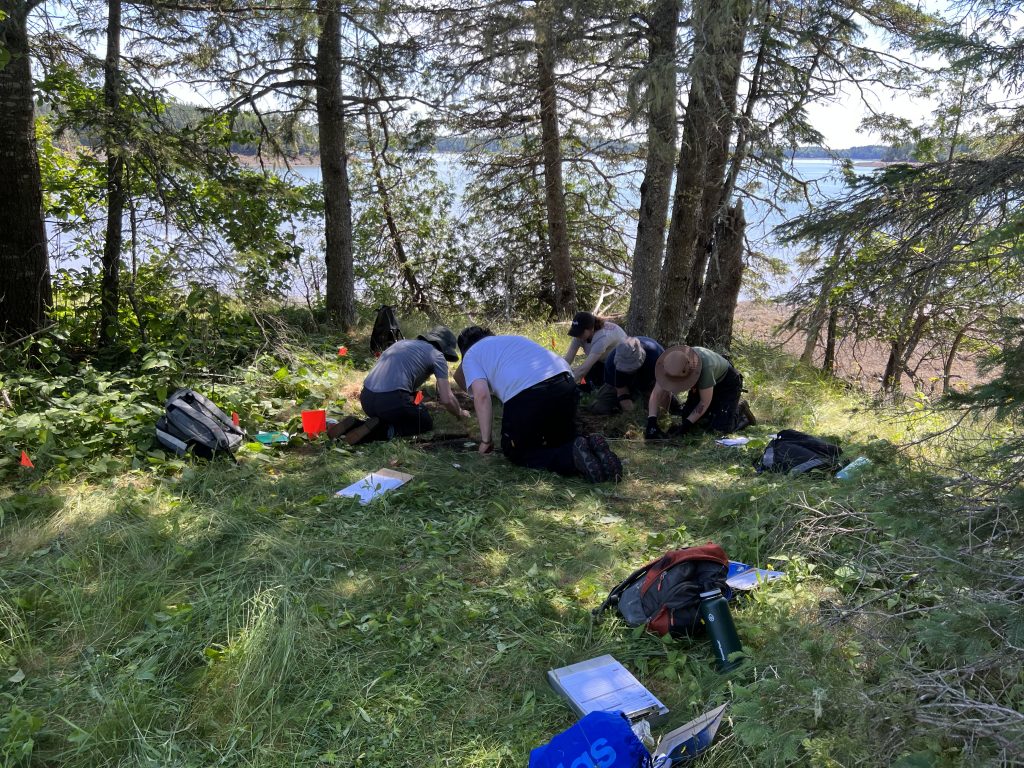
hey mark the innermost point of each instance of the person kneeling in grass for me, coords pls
(596, 336)
(388, 390)
(714, 388)
(536, 387)
(628, 372)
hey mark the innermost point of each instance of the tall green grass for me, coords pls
(245, 616)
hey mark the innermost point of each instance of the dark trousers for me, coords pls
(538, 426)
(398, 415)
(725, 398)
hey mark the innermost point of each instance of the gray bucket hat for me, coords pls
(441, 336)
(629, 355)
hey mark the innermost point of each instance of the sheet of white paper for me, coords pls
(743, 577)
(371, 486)
(733, 440)
(604, 685)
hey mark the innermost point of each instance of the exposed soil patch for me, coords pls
(445, 441)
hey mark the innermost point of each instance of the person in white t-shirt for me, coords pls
(539, 397)
(596, 337)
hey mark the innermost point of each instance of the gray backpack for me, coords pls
(794, 453)
(193, 424)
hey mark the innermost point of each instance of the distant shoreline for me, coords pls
(313, 161)
(254, 161)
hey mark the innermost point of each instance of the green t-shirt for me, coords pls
(713, 368)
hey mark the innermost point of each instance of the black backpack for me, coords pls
(795, 452)
(664, 595)
(386, 330)
(192, 423)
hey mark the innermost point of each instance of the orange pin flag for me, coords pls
(234, 418)
(583, 380)
(26, 461)
(342, 351)
(552, 342)
(418, 399)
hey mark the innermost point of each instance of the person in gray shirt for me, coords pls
(388, 390)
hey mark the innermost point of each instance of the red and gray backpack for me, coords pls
(664, 595)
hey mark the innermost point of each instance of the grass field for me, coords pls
(242, 615)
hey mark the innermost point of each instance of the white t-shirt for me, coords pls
(596, 349)
(510, 364)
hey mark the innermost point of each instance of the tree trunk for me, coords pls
(330, 113)
(901, 349)
(25, 292)
(820, 312)
(828, 365)
(655, 190)
(551, 146)
(110, 283)
(947, 367)
(714, 322)
(719, 35)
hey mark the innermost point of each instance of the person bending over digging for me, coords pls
(538, 424)
(596, 337)
(713, 387)
(388, 390)
(628, 373)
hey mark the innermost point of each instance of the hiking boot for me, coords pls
(339, 428)
(586, 462)
(610, 463)
(359, 433)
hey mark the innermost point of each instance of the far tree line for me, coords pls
(550, 100)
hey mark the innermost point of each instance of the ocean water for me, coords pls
(764, 207)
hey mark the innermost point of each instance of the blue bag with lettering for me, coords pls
(598, 740)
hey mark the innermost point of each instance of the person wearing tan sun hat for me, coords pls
(714, 389)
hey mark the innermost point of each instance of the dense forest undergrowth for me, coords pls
(157, 612)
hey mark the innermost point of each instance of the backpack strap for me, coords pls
(206, 405)
(181, 413)
(622, 586)
(808, 465)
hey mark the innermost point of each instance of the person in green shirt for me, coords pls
(714, 390)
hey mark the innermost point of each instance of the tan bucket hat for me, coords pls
(678, 368)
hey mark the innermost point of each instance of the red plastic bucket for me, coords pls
(314, 422)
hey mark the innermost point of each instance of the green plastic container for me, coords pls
(272, 438)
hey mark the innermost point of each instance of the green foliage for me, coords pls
(18, 728)
(75, 415)
(243, 615)
(421, 205)
(507, 233)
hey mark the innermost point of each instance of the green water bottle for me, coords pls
(714, 612)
